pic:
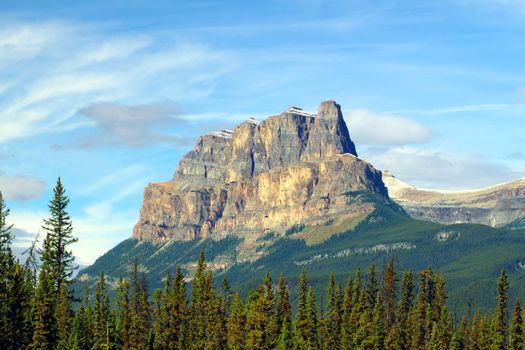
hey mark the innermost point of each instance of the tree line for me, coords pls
(389, 311)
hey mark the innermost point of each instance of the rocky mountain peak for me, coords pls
(294, 167)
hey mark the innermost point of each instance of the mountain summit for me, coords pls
(292, 168)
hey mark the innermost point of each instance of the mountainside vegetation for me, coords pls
(471, 256)
(242, 307)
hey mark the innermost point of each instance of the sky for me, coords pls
(110, 95)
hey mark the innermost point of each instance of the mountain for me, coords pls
(496, 206)
(262, 177)
(291, 192)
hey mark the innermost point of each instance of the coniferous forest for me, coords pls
(370, 311)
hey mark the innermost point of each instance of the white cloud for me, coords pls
(66, 67)
(132, 125)
(437, 169)
(463, 109)
(21, 187)
(371, 128)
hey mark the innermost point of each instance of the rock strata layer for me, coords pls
(495, 206)
(291, 168)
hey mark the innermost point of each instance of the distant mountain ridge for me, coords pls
(495, 206)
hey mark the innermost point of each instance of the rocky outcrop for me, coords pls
(291, 168)
(494, 206)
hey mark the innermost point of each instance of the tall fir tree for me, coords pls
(346, 323)
(63, 317)
(7, 263)
(102, 336)
(516, 329)
(19, 329)
(388, 294)
(236, 325)
(500, 322)
(123, 315)
(44, 324)
(57, 257)
(81, 334)
(284, 309)
(140, 316)
(332, 334)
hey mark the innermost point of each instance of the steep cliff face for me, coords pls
(263, 176)
(494, 206)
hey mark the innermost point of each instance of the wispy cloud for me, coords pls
(131, 125)
(21, 188)
(372, 128)
(68, 66)
(463, 109)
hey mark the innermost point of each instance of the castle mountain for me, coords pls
(290, 192)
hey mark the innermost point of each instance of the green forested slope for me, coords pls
(470, 256)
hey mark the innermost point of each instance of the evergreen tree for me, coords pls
(81, 335)
(6, 269)
(516, 329)
(332, 335)
(405, 304)
(203, 321)
(372, 288)
(285, 341)
(301, 318)
(346, 324)
(139, 328)
(312, 337)
(57, 257)
(499, 333)
(44, 325)
(236, 325)
(63, 317)
(102, 337)
(123, 315)
(388, 294)
(18, 332)
(284, 309)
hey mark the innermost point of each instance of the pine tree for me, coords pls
(372, 288)
(139, 328)
(301, 318)
(284, 309)
(236, 325)
(81, 334)
(18, 330)
(516, 329)
(388, 294)
(261, 323)
(44, 325)
(285, 341)
(332, 336)
(312, 337)
(178, 312)
(6, 270)
(5, 230)
(123, 316)
(63, 317)
(405, 304)
(57, 257)
(346, 324)
(499, 334)
(102, 338)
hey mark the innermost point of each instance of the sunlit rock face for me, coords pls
(291, 168)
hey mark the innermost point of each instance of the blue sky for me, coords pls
(109, 95)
